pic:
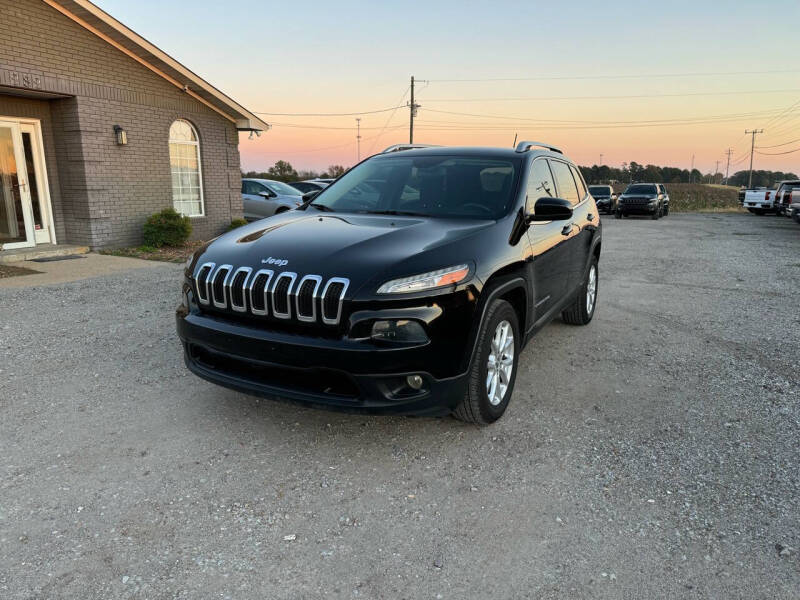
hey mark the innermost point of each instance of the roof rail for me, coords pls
(525, 146)
(401, 147)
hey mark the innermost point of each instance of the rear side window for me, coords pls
(579, 182)
(565, 182)
(250, 187)
(540, 184)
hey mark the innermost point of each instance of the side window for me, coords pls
(564, 181)
(579, 180)
(540, 183)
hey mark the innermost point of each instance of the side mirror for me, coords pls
(266, 194)
(309, 196)
(551, 209)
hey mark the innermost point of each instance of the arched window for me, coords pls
(187, 175)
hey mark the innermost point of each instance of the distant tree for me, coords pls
(335, 171)
(282, 171)
(303, 175)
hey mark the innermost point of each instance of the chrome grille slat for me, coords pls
(201, 281)
(325, 318)
(288, 295)
(255, 289)
(317, 281)
(227, 269)
(232, 288)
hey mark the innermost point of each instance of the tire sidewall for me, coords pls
(587, 316)
(503, 312)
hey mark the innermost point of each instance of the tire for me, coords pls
(751, 210)
(477, 407)
(666, 210)
(656, 214)
(759, 211)
(580, 312)
(618, 214)
(796, 217)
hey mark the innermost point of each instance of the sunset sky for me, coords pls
(580, 75)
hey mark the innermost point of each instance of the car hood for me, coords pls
(361, 248)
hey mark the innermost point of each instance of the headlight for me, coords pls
(425, 281)
(399, 330)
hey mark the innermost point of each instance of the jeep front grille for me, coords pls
(265, 293)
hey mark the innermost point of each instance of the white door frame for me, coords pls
(22, 187)
(34, 128)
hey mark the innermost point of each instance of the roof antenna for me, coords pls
(514, 145)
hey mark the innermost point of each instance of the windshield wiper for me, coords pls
(321, 207)
(404, 213)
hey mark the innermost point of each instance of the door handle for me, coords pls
(590, 217)
(567, 229)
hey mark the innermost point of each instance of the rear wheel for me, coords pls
(618, 214)
(581, 311)
(758, 211)
(666, 210)
(494, 366)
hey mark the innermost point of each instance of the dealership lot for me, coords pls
(653, 453)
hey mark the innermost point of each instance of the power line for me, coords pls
(613, 97)
(304, 126)
(391, 116)
(348, 114)
(639, 76)
(778, 153)
(777, 145)
(520, 119)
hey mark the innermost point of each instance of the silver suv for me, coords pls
(266, 197)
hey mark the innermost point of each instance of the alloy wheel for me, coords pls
(500, 364)
(591, 289)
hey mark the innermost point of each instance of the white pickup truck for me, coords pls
(761, 201)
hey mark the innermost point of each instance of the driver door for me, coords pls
(549, 264)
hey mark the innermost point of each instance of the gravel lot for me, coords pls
(653, 454)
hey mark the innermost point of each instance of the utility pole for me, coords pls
(728, 167)
(716, 170)
(413, 113)
(601, 159)
(691, 171)
(753, 132)
(358, 136)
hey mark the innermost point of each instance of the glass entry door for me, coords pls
(16, 215)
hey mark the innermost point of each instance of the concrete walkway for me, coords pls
(62, 271)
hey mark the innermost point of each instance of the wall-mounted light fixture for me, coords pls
(121, 135)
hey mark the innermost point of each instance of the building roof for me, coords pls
(131, 43)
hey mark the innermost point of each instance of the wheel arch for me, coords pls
(507, 284)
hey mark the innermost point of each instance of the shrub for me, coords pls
(236, 223)
(167, 228)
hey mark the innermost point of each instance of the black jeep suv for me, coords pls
(604, 197)
(408, 286)
(643, 199)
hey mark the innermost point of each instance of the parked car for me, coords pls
(310, 185)
(795, 211)
(785, 196)
(761, 200)
(643, 199)
(415, 300)
(264, 197)
(604, 197)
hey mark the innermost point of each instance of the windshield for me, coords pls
(599, 190)
(435, 186)
(641, 189)
(283, 189)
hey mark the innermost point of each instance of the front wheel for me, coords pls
(618, 214)
(666, 210)
(494, 366)
(581, 311)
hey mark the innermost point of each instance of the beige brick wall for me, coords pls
(102, 192)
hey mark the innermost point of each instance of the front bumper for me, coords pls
(638, 209)
(319, 372)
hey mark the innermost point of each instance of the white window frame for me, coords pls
(196, 145)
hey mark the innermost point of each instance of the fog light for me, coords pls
(414, 381)
(400, 330)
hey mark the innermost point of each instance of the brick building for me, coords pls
(99, 128)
